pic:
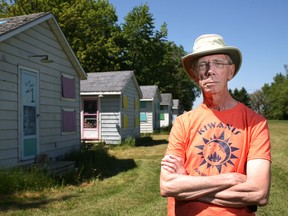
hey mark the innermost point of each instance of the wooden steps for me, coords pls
(55, 168)
(59, 168)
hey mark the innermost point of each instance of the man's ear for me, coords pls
(231, 72)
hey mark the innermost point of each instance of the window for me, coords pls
(143, 104)
(143, 117)
(125, 102)
(90, 113)
(136, 103)
(68, 87)
(68, 120)
(125, 121)
(162, 116)
(163, 107)
(137, 123)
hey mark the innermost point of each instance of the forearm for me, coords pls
(197, 193)
(227, 198)
(174, 181)
(233, 197)
(254, 191)
(187, 187)
(242, 195)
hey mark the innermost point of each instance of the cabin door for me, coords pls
(29, 113)
(90, 127)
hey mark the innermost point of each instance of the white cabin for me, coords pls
(39, 90)
(150, 109)
(110, 107)
(166, 110)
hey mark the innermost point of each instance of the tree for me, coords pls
(277, 97)
(181, 84)
(138, 32)
(155, 60)
(258, 102)
(242, 96)
(90, 28)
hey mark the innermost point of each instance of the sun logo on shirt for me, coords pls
(217, 152)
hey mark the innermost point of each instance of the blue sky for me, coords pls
(259, 28)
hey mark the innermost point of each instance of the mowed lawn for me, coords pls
(136, 190)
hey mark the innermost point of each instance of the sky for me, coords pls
(259, 28)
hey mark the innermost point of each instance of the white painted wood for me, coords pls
(15, 51)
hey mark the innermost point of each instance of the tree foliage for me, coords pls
(258, 102)
(276, 95)
(155, 60)
(272, 100)
(90, 28)
(241, 96)
(100, 44)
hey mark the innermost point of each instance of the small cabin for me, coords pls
(110, 107)
(39, 91)
(150, 109)
(175, 109)
(166, 110)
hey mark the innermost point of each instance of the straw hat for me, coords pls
(209, 44)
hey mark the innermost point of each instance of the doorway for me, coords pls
(29, 113)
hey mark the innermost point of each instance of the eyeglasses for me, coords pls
(204, 66)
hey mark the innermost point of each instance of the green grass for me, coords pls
(279, 190)
(126, 183)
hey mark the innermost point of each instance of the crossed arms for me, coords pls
(229, 189)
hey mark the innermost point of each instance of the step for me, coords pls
(59, 168)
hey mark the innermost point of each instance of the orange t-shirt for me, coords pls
(214, 142)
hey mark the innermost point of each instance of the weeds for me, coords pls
(24, 179)
(92, 162)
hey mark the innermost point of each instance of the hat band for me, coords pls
(210, 47)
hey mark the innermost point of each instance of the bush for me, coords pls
(129, 141)
(93, 161)
(163, 130)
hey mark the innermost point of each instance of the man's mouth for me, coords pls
(208, 83)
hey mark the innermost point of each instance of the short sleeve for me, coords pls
(260, 147)
(177, 139)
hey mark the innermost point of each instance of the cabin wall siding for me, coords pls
(110, 119)
(133, 130)
(147, 127)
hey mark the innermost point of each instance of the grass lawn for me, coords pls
(279, 190)
(135, 191)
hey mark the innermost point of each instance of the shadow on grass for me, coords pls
(96, 163)
(90, 164)
(13, 203)
(149, 141)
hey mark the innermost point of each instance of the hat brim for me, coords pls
(233, 52)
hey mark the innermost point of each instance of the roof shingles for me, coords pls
(106, 81)
(12, 23)
(149, 91)
(166, 99)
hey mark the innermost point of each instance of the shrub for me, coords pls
(129, 141)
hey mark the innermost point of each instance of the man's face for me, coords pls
(213, 72)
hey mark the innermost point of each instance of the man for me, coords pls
(218, 158)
